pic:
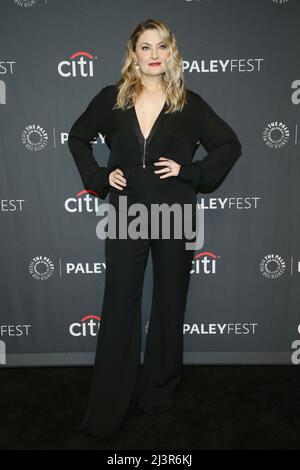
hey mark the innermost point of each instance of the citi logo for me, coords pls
(88, 326)
(80, 64)
(85, 201)
(204, 262)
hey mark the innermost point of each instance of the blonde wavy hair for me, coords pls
(130, 85)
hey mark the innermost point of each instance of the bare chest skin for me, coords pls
(147, 112)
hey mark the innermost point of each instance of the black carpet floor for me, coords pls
(218, 407)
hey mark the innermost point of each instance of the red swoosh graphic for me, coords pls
(90, 316)
(204, 253)
(84, 191)
(86, 54)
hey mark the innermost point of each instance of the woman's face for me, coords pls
(151, 49)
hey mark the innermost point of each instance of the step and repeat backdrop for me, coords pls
(242, 57)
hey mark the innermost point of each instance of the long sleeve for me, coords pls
(222, 146)
(83, 131)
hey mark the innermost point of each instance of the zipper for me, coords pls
(144, 164)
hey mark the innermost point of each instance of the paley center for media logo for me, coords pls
(25, 3)
(273, 266)
(276, 134)
(42, 268)
(34, 137)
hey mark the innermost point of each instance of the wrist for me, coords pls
(185, 172)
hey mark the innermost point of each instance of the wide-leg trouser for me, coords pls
(119, 381)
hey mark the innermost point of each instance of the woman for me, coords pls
(152, 124)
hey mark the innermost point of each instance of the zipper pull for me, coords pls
(144, 164)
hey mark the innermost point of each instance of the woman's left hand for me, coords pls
(171, 168)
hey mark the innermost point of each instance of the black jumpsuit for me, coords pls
(118, 380)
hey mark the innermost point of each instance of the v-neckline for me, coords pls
(154, 126)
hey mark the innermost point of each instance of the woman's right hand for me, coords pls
(116, 179)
